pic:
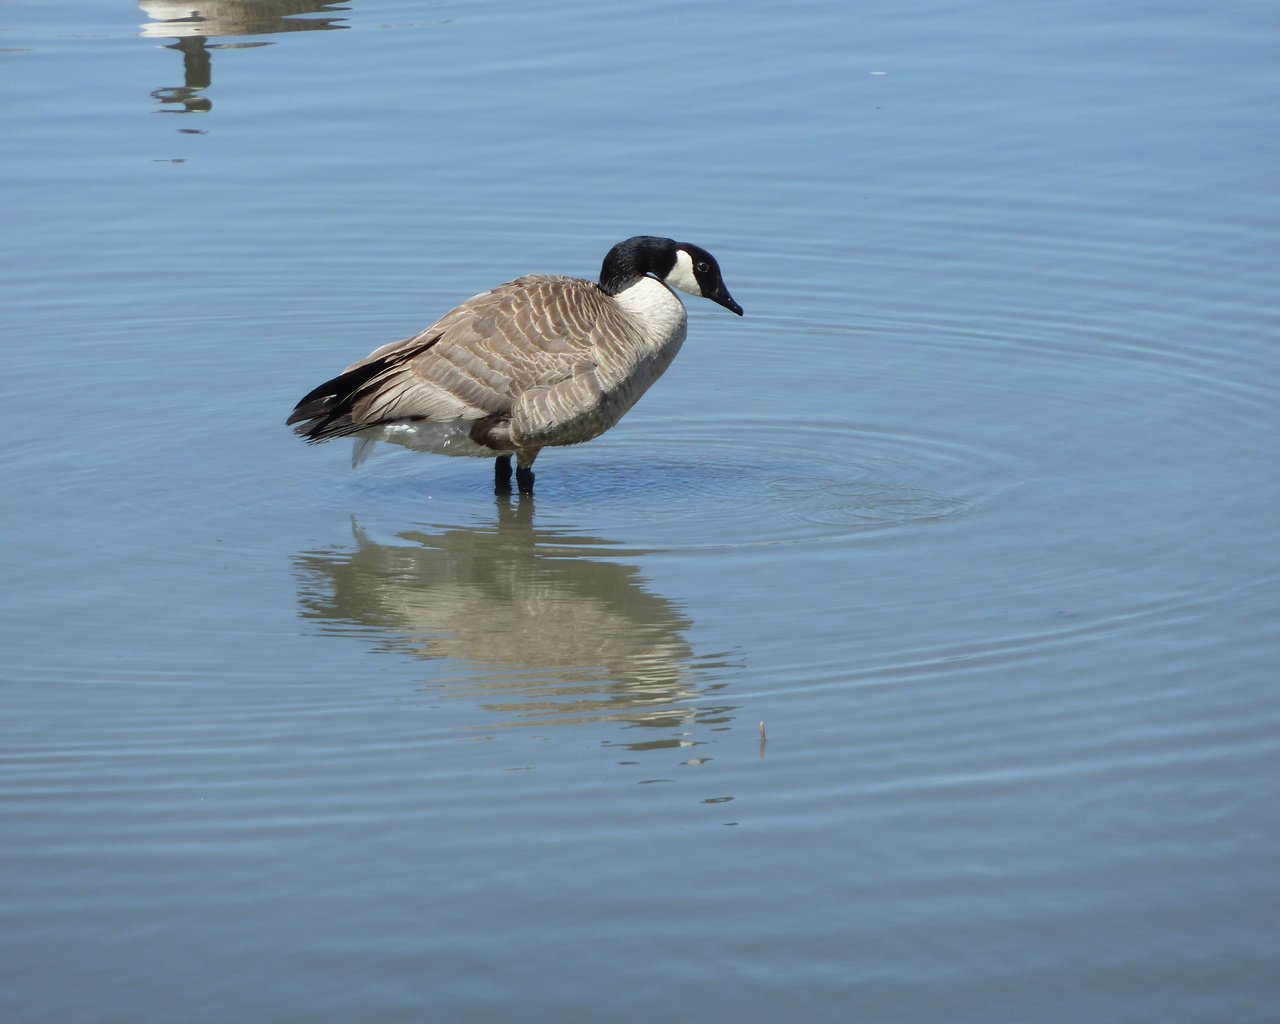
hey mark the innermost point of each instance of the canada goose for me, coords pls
(536, 362)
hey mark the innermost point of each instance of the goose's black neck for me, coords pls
(631, 260)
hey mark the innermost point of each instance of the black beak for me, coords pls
(722, 297)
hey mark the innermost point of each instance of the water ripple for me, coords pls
(745, 484)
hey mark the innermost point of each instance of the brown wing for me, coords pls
(472, 363)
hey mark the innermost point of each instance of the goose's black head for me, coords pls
(680, 264)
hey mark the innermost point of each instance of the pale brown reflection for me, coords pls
(192, 25)
(546, 631)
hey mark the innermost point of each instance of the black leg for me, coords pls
(502, 474)
(524, 479)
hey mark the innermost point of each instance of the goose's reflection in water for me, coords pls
(540, 628)
(192, 25)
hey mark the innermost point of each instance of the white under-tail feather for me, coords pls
(361, 450)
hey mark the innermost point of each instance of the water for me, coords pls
(975, 510)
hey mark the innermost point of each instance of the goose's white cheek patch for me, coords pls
(681, 275)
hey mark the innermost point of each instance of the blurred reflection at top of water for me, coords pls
(191, 26)
(236, 17)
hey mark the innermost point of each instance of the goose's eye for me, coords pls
(703, 267)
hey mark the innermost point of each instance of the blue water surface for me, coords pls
(906, 655)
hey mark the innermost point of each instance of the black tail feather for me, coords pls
(326, 411)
